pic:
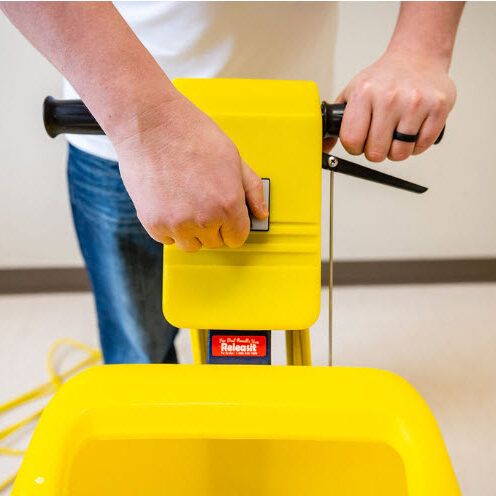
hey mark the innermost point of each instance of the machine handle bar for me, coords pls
(68, 116)
(73, 117)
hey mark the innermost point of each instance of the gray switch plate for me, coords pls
(257, 224)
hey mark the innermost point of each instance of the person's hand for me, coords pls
(187, 180)
(398, 92)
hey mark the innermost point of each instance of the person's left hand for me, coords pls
(412, 95)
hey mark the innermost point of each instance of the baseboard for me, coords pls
(349, 273)
(44, 280)
(436, 271)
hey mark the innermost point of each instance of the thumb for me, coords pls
(253, 187)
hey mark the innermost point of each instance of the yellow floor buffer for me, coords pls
(232, 428)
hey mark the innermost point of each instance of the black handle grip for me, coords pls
(73, 117)
(68, 116)
(332, 116)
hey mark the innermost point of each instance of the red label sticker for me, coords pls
(238, 346)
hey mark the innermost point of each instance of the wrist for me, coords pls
(418, 53)
(135, 105)
(425, 32)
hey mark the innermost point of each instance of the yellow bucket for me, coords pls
(153, 430)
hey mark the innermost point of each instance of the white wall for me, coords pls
(35, 219)
(456, 218)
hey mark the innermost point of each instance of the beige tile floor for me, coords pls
(442, 338)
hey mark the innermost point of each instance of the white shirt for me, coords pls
(264, 40)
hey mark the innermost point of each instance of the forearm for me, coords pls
(94, 48)
(427, 30)
(185, 176)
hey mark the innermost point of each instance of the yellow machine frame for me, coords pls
(184, 430)
(273, 280)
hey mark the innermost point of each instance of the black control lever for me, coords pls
(335, 164)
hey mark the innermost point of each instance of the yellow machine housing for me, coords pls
(273, 280)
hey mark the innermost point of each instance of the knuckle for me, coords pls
(389, 98)
(239, 237)
(353, 149)
(415, 99)
(397, 155)
(351, 142)
(227, 152)
(203, 220)
(239, 240)
(152, 222)
(363, 89)
(439, 104)
(424, 144)
(255, 183)
(178, 222)
(375, 155)
(157, 237)
(419, 149)
(156, 228)
(230, 202)
(427, 139)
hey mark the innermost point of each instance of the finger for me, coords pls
(188, 244)
(160, 237)
(410, 124)
(166, 240)
(356, 121)
(253, 187)
(328, 144)
(211, 239)
(380, 134)
(429, 132)
(433, 125)
(236, 228)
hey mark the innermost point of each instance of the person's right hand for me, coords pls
(186, 178)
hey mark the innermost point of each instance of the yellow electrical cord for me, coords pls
(50, 387)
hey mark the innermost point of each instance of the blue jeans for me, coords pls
(123, 262)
